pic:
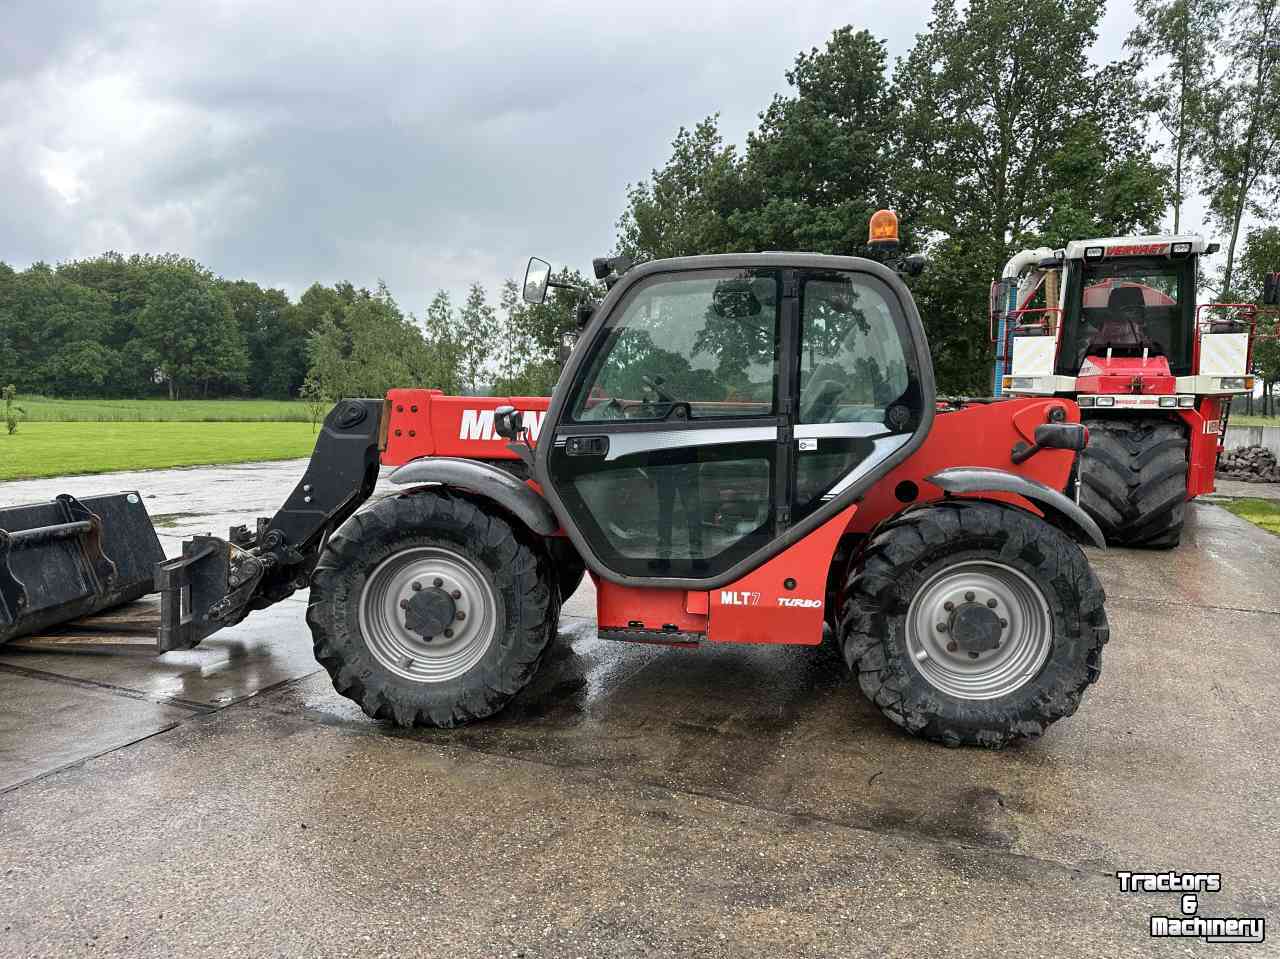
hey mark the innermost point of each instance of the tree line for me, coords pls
(995, 132)
(165, 325)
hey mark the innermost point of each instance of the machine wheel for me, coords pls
(973, 623)
(1133, 480)
(428, 610)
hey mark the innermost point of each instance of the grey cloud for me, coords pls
(426, 144)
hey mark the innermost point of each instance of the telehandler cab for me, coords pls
(740, 449)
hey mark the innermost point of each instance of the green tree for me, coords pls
(997, 101)
(277, 351)
(684, 208)
(188, 329)
(1240, 151)
(445, 345)
(53, 330)
(822, 160)
(371, 349)
(477, 333)
(1177, 37)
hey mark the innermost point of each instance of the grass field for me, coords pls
(1239, 419)
(43, 409)
(1260, 512)
(63, 449)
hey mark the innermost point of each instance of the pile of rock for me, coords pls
(1253, 464)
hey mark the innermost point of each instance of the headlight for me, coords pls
(1167, 401)
(1106, 401)
(1084, 400)
(1236, 383)
(1022, 382)
(1188, 402)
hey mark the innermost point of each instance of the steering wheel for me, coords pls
(656, 386)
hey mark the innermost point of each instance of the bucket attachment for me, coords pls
(71, 558)
(64, 561)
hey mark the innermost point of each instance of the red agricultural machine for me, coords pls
(1113, 324)
(741, 449)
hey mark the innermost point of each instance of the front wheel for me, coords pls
(427, 610)
(973, 623)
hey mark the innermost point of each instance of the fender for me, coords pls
(1059, 510)
(513, 495)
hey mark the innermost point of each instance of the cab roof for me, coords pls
(1152, 245)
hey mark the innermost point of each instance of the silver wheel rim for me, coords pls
(408, 654)
(970, 589)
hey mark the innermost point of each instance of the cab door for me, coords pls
(692, 435)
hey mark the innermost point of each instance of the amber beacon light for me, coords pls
(884, 230)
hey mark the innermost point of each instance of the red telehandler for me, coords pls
(740, 449)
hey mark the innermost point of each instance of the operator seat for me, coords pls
(1123, 326)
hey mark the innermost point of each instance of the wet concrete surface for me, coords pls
(641, 801)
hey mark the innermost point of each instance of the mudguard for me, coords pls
(509, 492)
(1058, 509)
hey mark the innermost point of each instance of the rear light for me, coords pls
(1084, 400)
(1094, 252)
(1187, 402)
(1105, 401)
(1180, 249)
(1168, 401)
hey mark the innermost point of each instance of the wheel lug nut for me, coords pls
(949, 606)
(968, 597)
(1004, 624)
(942, 627)
(461, 615)
(404, 604)
(417, 587)
(448, 634)
(437, 582)
(973, 655)
(456, 594)
(952, 647)
(991, 604)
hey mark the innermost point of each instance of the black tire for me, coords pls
(515, 566)
(1133, 480)
(914, 550)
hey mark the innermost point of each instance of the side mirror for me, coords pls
(508, 423)
(913, 265)
(537, 275)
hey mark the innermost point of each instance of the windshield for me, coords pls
(1128, 306)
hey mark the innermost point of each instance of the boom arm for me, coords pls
(217, 582)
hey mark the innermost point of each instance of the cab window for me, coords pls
(698, 345)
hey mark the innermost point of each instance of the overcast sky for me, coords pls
(428, 144)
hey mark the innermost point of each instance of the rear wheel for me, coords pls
(1133, 480)
(428, 610)
(973, 623)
